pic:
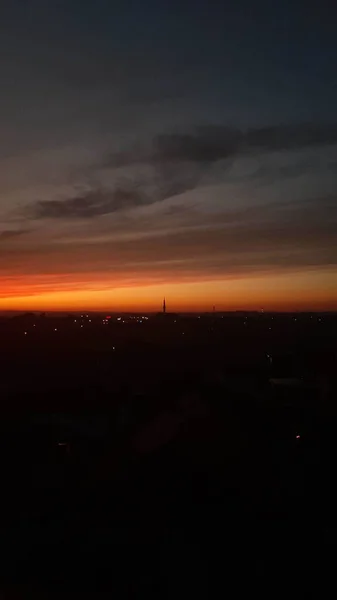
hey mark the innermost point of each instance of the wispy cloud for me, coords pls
(172, 164)
(87, 205)
(287, 235)
(207, 144)
(9, 234)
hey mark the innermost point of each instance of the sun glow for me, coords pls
(295, 291)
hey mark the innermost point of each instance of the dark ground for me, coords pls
(169, 467)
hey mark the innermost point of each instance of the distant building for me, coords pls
(165, 316)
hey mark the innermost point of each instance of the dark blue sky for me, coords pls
(254, 62)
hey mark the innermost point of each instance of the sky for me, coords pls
(177, 149)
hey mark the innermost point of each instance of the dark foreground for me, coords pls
(217, 485)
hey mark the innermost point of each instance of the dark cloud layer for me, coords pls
(8, 234)
(87, 205)
(212, 143)
(178, 162)
(290, 242)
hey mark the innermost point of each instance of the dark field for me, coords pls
(168, 456)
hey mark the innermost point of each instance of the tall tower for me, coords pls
(164, 306)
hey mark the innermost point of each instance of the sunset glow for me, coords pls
(133, 167)
(296, 291)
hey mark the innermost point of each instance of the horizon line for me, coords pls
(155, 312)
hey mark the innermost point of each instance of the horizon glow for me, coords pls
(283, 292)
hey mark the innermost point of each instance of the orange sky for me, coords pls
(310, 290)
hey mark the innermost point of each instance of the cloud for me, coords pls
(87, 205)
(171, 164)
(136, 190)
(180, 162)
(288, 137)
(284, 236)
(8, 234)
(207, 144)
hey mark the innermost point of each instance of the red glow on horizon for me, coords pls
(311, 290)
